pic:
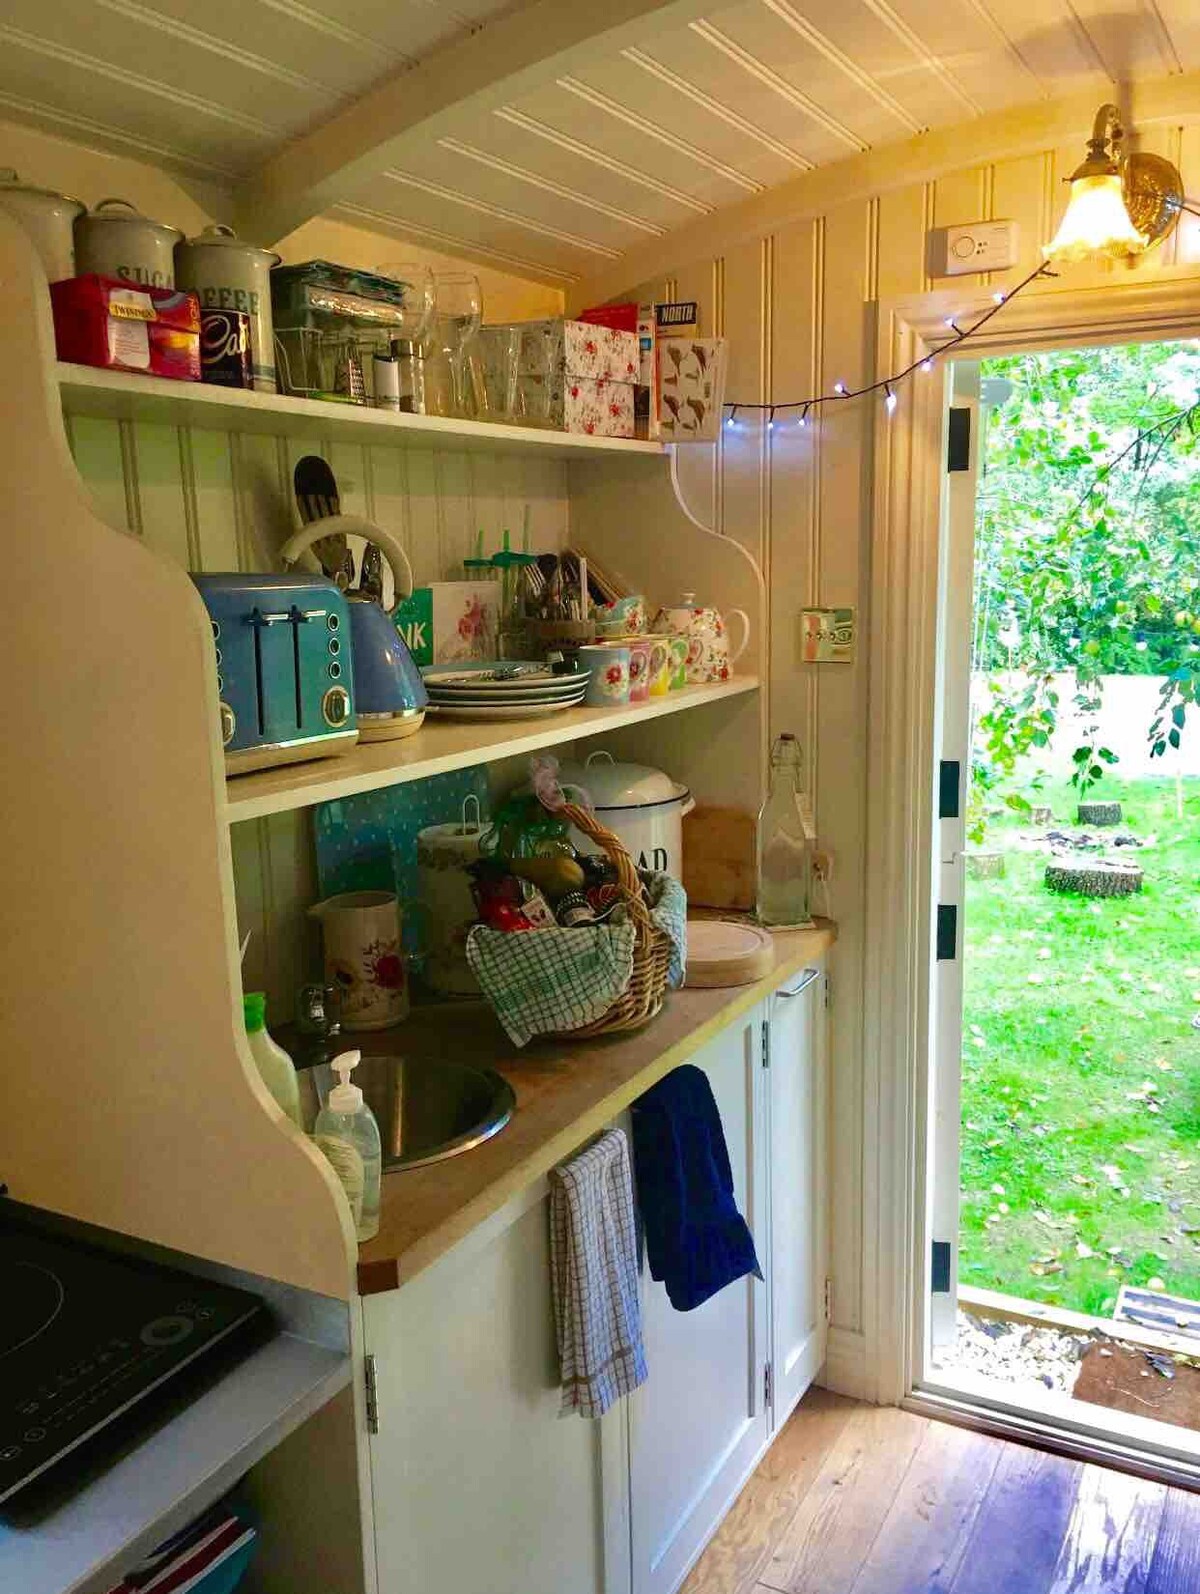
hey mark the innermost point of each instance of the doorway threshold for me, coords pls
(1048, 1413)
(1067, 1427)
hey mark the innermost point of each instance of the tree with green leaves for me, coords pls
(1087, 545)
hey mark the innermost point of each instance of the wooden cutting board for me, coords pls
(727, 952)
(719, 857)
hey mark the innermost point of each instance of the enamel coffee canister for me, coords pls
(227, 274)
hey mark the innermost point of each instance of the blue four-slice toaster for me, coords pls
(284, 667)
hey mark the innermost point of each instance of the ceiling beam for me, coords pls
(504, 59)
(998, 136)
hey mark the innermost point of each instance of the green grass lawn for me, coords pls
(1081, 1071)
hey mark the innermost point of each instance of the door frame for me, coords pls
(909, 453)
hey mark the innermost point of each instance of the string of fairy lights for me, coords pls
(887, 385)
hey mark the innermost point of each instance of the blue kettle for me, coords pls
(389, 695)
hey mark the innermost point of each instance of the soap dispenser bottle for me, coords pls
(348, 1135)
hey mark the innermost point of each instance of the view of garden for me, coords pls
(1081, 1061)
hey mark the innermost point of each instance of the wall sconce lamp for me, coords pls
(1120, 205)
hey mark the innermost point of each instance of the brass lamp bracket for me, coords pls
(1151, 186)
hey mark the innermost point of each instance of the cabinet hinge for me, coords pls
(768, 1392)
(372, 1387)
(828, 990)
(766, 1044)
(827, 1300)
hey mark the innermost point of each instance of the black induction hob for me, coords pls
(88, 1338)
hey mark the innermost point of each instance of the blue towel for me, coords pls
(697, 1241)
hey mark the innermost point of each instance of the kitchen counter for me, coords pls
(566, 1091)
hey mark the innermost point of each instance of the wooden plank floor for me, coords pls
(871, 1500)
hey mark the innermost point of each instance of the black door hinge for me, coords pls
(958, 443)
(939, 1272)
(947, 932)
(949, 788)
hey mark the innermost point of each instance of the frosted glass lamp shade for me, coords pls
(1096, 222)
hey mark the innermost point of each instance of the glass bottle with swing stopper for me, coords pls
(785, 842)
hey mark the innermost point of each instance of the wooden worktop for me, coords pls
(565, 1091)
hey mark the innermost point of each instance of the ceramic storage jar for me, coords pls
(48, 217)
(114, 239)
(227, 274)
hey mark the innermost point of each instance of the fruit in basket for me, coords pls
(554, 873)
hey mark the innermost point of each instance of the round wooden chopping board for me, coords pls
(727, 952)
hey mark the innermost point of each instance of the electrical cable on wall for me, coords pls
(887, 385)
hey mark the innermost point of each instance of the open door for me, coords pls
(953, 741)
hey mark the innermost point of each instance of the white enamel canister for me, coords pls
(48, 218)
(642, 806)
(227, 274)
(114, 239)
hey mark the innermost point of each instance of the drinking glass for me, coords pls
(416, 312)
(459, 311)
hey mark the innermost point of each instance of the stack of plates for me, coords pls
(501, 689)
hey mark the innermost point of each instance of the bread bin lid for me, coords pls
(11, 183)
(220, 237)
(613, 785)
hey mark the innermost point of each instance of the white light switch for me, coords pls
(975, 246)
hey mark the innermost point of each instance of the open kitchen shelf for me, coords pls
(118, 395)
(447, 744)
(159, 1485)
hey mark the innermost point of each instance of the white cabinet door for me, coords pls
(478, 1486)
(700, 1421)
(796, 1088)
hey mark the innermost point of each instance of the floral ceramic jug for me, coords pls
(709, 658)
(361, 932)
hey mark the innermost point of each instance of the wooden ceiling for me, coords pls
(542, 140)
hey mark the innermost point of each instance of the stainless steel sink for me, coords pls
(427, 1110)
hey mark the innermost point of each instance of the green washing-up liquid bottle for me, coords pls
(274, 1064)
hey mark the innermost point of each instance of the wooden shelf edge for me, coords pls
(175, 1473)
(121, 395)
(445, 745)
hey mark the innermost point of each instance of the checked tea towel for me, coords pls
(593, 1271)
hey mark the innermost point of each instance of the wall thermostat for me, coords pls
(975, 246)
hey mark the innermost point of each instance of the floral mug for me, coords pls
(648, 657)
(608, 682)
(677, 670)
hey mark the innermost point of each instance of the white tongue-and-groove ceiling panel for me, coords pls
(689, 110)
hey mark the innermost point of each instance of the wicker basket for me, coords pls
(643, 997)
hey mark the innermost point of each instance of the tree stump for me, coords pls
(985, 865)
(1098, 814)
(1097, 877)
(1041, 814)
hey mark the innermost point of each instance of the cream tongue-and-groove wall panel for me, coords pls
(800, 307)
(216, 501)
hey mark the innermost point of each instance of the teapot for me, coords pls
(709, 657)
(389, 692)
